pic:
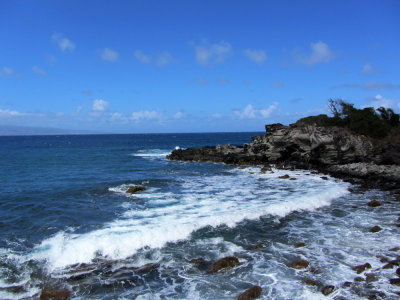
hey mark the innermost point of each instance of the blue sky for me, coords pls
(193, 66)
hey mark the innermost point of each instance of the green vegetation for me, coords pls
(378, 124)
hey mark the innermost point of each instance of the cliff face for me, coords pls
(306, 146)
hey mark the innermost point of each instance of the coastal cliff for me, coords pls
(330, 149)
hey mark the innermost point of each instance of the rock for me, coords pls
(327, 290)
(374, 203)
(252, 293)
(375, 229)
(223, 263)
(347, 284)
(54, 295)
(394, 249)
(398, 271)
(359, 279)
(293, 178)
(310, 282)
(299, 245)
(361, 268)
(135, 188)
(324, 178)
(256, 247)
(395, 281)
(265, 170)
(300, 264)
(371, 277)
(388, 266)
(284, 177)
(147, 268)
(383, 259)
(200, 263)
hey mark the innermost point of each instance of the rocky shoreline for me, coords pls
(330, 150)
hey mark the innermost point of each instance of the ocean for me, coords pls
(67, 223)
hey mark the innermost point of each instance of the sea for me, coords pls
(66, 222)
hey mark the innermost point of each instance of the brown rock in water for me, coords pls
(199, 263)
(324, 178)
(54, 295)
(223, 263)
(252, 293)
(327, 290)
(299, 245)
(310, 282)
(374, 203)
(347, 284)
(371, 277)
(257, 247)
(300, 264)
(359, 279)
(265, 169)
(375, 229)
(361, 268)
(293, 178)
(135, 188)
(395, 281)
(284, 177)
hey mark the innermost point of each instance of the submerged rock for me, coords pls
(200, 263)
(284, 177)
(374, 203)
(147, 268)
(361, 268)
(299, 245)
(395, 281)
(375, 229)
(311, 282)
(223, 263)
(300, 264)
(257, 247)
(54, 295)
(135, 188)
(252, 293)
(326, 290)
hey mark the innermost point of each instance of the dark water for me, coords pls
(67, 223)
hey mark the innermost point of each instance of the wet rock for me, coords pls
(324, 178)
(135, 188)
(315, 270)
(310, 282)
(299, 245)
(284, 177)
(347, 284)
(326, 290)
(147, 268)
(388, 266)
(374, 203)
(371, 277)
(265, 170)
(361, 268)
(257, 247)
(375, 229)
(398, 271)
(293, 178)
(394, 249)
(359, 279)
(54, 295)
(200, 263)
(223, 263)
(395, 281)
(382, 259)
(252, 293)
(300, 264)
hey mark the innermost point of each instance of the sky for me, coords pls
(193, 66)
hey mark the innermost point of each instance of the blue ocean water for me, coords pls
(67, 223)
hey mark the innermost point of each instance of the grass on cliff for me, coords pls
(382, 123)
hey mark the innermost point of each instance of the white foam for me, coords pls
(152, 153)
(200, 202)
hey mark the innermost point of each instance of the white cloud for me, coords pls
(215, 53)
(99, 105)
(39, 71)
(257, 56)
(144, 115)
(62, 42)
(164, 58)
(320, 53)
(109, 55)
(380, 101)
(8, 72)
(178, 115)
(140, 56)
(10, 113)
(369, 69)
(251, 113)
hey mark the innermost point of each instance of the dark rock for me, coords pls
(293, 178)
(265, 170)
(284, 177)
(147, 268)
(388, 266)
(54, 295)
(374, 203)
(361, 268)
(384, 260)
(310, 282)
(347, 284)
(300, 264)
(359, 279)
(315, 270)
(395, 281)
(135, 188)
(394, 249)
(398, 271)
(252, 293)
(371, 277)
(226, 262)
(299, 245)
(375, 229)
(326, 290)
(200, 263)
(257, 247)
(324, 178)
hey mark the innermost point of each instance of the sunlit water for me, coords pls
(67, 223)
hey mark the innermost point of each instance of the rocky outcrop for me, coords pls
(252, 293)
(223, 263)
(331, 149)
(135, 188)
